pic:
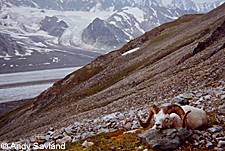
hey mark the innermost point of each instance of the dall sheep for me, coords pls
(175, 116)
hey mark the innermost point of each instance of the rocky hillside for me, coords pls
(186, 55)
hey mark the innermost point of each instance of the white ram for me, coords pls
(174, 116)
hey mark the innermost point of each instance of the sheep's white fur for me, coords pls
(195, 119)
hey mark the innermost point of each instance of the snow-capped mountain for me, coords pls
(93, 5)
(140, 16)
(201, 6)
(30, 40)
(137, 20)
(60, 31)
(133, 21)
(101, 32)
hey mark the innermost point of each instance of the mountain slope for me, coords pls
(182, 55)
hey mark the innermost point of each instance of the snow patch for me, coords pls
(40, 44)
(130, 51)
(55, 59)
(136, 12)
(7, 58)
(117, 18)
(46, 63)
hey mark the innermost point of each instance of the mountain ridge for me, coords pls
(129, 18)
(202, 6)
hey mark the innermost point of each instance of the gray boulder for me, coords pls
(167, 139)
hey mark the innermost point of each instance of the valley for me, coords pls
(26, 85)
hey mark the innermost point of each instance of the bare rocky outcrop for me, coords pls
(215, 36)
(104, 35)
(9, 46)
(53, 26)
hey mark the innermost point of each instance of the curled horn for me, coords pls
(175, 109)
(184, 125)
(153, 109)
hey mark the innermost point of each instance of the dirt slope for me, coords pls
(185, 54)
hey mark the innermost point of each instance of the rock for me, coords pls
(220, 138)
(167, 139)
(127, 126)
(181, 101)
(187, 96)
(47, 137)
(69, 131)
(32, 139)
(139, 148)
(207, 97)
(198, 94)
(221, 108)
(51, 129)
(87, 144)
(50, 132)
(135, 125)
(218, 134)
(65, 139)
(111, 124)
(209, 144)
(221, 144)
(215, 129)
(109, 118)
(84, 135)
(201, 99)
(218, 149)
(103, 130)
(40, 139)
(197, 102)
(222, 97)
(58, 136)
(120, 116)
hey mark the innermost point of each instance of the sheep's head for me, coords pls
(160, 116)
